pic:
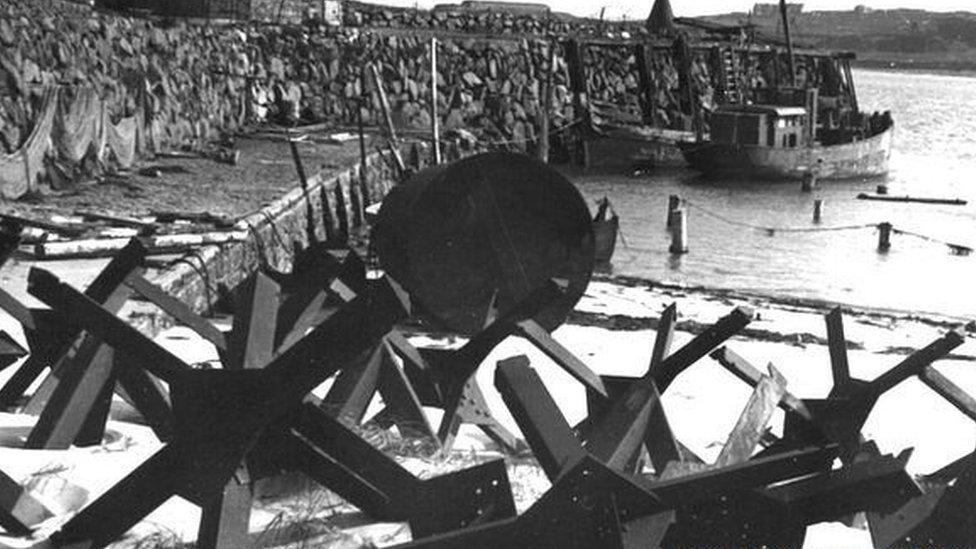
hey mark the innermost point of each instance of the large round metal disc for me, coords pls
(490, 227)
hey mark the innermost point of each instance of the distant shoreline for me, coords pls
(962, 68)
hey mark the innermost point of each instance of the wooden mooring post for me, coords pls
(884, 237)
(679, 233)
(674, 203)
(809, 182)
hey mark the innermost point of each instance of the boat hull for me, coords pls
(605, 239)
(861, 159)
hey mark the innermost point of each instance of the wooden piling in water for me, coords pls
(679, 232)
(884, 237)
(817, 210)
(809, 182)
(674, 203)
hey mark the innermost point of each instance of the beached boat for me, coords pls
(774, 142)
(606, 225)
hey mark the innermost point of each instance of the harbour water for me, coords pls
(934, 156)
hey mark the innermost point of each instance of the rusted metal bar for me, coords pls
(948, 390)
(662, 341)
(148, 396)
(622, 431)
(442, 504)
(19, 511)
(713, 482)
(77, 393)
(538, 336)
(635, 404)
(837, 344)
(874, 484)
(697, 348)
(584, 508)
(225, 521)
(916, 363)
(82, 311)
(402, 402)
(126, 503)
(354, 388)
(543, 425)
(178, 310)
(53, 336)
(73, 364)
(938, 518)
(10, 350)
(251, 341)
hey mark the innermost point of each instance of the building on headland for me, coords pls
(203, 9)
(770, 11)
(279, 11)
(513, 8)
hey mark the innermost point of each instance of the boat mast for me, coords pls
(789, 43)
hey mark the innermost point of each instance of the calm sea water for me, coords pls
(934, 155)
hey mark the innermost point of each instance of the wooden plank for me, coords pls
(538, 417)
(70, 231)
(155, 245)
(116, 220)
(752, 422)
(744, 370)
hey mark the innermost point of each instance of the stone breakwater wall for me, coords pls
(494, 22)
(192, 82)
(189, 83)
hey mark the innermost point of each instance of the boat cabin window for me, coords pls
(765, 126)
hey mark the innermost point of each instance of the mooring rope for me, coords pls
(958, 249)
(772, 230)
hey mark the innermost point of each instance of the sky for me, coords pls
(639, 9)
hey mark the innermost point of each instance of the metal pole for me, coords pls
(434, 121)
(363, 187)
(789, 42)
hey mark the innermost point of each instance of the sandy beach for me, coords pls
(612, 330)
